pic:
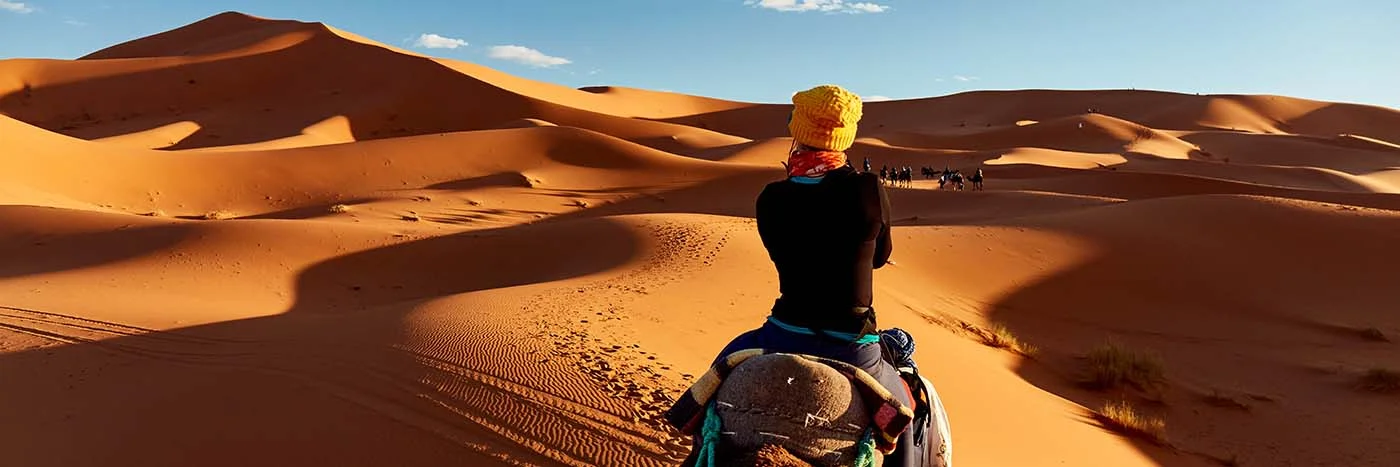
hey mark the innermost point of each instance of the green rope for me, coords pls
(865, 451)
(709, 437)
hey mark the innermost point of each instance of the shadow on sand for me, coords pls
(338, 378)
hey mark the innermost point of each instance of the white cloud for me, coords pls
(965, 78)
(434, 41)
(17, 7)
(876, 98)
(74, 22)
(526, 55)
(869, 7)
(830, 6)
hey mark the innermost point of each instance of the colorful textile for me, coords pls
(809, 163)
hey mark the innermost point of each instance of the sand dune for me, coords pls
(243, 241)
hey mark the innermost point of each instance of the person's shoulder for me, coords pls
(862, 179)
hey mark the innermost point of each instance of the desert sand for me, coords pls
(245, 242)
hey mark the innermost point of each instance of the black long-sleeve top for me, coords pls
(826, 239)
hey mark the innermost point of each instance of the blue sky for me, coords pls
(763, 50)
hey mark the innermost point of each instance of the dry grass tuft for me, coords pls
(581, 203)
(1002, 338)
(155, 213)
(1123, 417)
(412, 217)
(1382, 380)
(218, 215)
(1111, 365)
(340, 209)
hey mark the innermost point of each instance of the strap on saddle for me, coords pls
(923, 406)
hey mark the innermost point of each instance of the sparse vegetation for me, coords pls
(1002, 338)
(1374, 334)
(218, 215)
(340, 209)
(155, 213)
(581, 203)
(412, 217)
(1123, 417)
(1382, 380)
(1111, 365)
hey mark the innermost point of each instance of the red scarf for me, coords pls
(809, 163)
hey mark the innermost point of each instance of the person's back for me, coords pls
(824, 239)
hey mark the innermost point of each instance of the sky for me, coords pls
(764, 50)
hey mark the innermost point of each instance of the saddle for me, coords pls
(843, 417)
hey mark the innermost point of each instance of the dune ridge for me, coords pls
(244, 240)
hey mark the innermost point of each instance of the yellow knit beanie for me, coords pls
(825, 117)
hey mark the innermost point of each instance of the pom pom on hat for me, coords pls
(825, 117)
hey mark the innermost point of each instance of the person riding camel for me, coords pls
(826, 227)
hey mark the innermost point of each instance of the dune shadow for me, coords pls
(461, 263)
(731, 195)
(1200, 304)
(1145, 182)
(756, 122)
(312, 211)
(335, 378)
(503, 179)
(1340, 118)
(24, 255)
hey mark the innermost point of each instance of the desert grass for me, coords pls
(1121, 416)
(1112, 365)
(1002, 338)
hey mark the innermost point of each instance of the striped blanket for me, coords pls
(889, 417)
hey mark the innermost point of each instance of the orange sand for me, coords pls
(243, 242)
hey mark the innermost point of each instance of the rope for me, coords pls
(709, 437)
(865, 451)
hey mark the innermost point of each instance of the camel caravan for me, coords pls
(903, 177)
